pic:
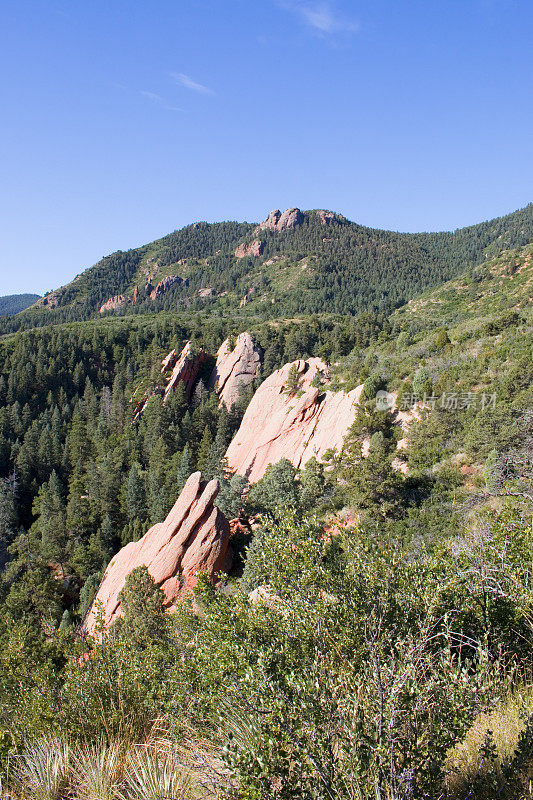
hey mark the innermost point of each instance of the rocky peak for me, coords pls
(235, 368)
(277, 221)
(193, 538)
(329, 217)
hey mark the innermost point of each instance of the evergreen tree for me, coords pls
(205, 453)
(55, 544)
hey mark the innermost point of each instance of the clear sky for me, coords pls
(122, 120)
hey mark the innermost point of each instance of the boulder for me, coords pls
(276, 221)
(235, 368)
(117, 301)
(193, 538)
(297, 426)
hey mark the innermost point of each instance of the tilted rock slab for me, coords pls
(193, 538)
(117, 301)
(164, 285)
(184, 369)
(235, 369)
(277, 425)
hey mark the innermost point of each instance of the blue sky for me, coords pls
(126, 119)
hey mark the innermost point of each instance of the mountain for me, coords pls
(292, 263)
(13, 303)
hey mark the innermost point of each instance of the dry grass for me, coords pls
(506, 722)
(51, 769)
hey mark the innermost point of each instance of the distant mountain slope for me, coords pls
(498, 289)
(292, 263)
(13, 303)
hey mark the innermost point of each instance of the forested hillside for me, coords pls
(374, 636)
(13, 303)
(321, 263)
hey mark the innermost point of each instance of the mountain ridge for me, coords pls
(293, 262)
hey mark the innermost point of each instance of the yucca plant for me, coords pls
(42, 769)
(150, 775)
(96, 770)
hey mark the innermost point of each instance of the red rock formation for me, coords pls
(135, 295)
(279, 425)
(254, 249)
(276, 221)
(169, 361)
(185, 369)
(117, 301)
(164, 285)
(193, 538)
(235, 369)
(328, 217)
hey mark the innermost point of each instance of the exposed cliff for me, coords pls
(193, 538)
(235, 368)
(299, 425)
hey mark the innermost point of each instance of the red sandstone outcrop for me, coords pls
(117, 301)
(276, 221)
(235, 369)
(254, 249)
(185, 369)
(193, 538)
(329, 217)
(164, 285)
(279, 425)
(169, 361)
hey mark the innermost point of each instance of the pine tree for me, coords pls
(293, 380)
(205, 452)
(134, 496)
(55, 545)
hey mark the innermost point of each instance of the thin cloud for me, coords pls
(188, 83)
(160, 101)
(322, 17)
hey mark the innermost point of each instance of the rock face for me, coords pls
(193, 538)
(164, 285)
(254, 249)
(235, 369)
(328, 217)
(117, 301)
(185, 369)
(280, 425)
(276, 221)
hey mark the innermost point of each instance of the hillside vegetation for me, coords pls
(13, 303)
(375, 636)
(316, 266)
